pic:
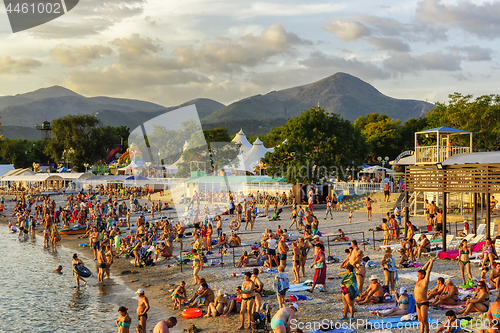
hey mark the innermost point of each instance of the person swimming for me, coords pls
(58, 270)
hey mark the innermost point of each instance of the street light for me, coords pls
(86, 165)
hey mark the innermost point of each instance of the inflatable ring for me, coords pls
(192, 313)
(82, 271)
(234, 225)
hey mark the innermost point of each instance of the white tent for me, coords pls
(129, 168)
(4, 168)
(242, 139)
(252, 158)
(375, 169)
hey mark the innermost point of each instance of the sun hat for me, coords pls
(140, 291)
(402, 290)
(373, 277)
(294, 305)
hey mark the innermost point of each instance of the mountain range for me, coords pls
(341, 93)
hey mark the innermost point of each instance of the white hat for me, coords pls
(315, 236)
(140, 291)
(402, 290)
(294, 305)
(373, 277)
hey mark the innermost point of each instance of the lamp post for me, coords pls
(86, 165)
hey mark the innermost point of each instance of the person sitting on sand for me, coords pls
(58, 270)
(340, 237)
(452, 324)
(235, 240)
(243, 260)
(480, 301)
(449, 296)
(234, 303)
(206, 295)
(401, 308)
(216, 308)
(438, 289)
(374, 293)
(179, 295)
(495, 277)
(403, 261)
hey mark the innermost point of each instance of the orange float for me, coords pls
(234, 225)
(192, 313)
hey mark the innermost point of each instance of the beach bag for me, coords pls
(318, 265)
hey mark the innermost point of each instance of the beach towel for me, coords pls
(396, 323)
(379, 307)
(300, 287)
(452, 254)
(413, 276)
(447, 307)
(478, 247)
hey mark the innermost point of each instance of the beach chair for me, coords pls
(456, 243)
(435, 253)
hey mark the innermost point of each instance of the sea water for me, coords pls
(33, 299)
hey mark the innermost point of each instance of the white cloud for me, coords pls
(353, 66)
(392, 44)
(347, 30)
(76, 56)
(475, 52)
(21, 66)
(478, 19)
(406, 63)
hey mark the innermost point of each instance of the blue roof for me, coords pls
(445, 130)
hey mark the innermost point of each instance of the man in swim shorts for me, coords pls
(94, 241)
(420, 292)
(142, 308)
(101, 264)
(280, 323)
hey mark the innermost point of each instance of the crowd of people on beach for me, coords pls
(106, 212)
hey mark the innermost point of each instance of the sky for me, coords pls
(171, 51)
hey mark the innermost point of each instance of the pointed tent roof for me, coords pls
(241, 138)
(253, 156)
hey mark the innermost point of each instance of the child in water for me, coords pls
(58, 270)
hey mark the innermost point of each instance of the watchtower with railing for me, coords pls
(435, 145)
(45, 129)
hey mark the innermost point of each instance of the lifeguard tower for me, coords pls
(435, 145)
(46, 130)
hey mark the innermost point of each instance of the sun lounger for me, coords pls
(456, 243)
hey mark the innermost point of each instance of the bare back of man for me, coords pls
(420, 292)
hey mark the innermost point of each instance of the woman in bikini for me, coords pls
(489, 252)
(401, 307)
(296, 261)
(248, 298)
(197, 266)
(493, 317)
(304, 250)
(464, 262)
(480, 301)
(359, 264)
(124, 321)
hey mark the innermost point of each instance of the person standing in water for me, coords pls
(77, 262)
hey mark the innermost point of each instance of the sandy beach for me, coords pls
(158, 281)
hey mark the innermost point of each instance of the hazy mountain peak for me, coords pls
(48, 92)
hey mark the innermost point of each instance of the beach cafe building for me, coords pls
(44, 181)
(443, 169)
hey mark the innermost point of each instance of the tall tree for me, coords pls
(481, 116)
(78, 139)
(382, 134)
(314, 146)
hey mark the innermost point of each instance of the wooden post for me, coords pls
(474, 213)
(488, 215)
(444, 221)
(407, 211)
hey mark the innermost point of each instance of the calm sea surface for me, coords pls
(33, 299)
